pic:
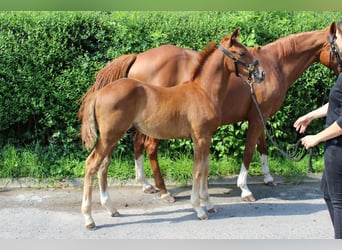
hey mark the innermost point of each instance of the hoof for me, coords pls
(91, 226)
(248, 198)
(271, 183)
(149, 190)
(115, 214)
(212, 210)
(167, 197)
(203, 217)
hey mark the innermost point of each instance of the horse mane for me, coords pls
(286, 45)
(204, 54)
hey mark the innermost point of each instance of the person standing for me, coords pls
(331, 183)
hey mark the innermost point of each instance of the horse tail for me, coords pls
(116, 69)
(88, 128)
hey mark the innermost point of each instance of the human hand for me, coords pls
(302, 123)
(309, 141)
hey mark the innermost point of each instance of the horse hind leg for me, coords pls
(97, 162)
(92, 165)
(103, 185)
(151, 146)
(138, 146)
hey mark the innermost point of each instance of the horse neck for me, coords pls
(214, 77)
(292, 55)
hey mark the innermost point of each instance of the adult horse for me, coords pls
(191, 110)
(284, 61)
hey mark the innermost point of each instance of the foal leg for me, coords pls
(104, 194)
(138, 146)
(204, 191)
(200, 177)
(92, 166)
(262, 148)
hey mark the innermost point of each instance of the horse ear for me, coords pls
(234, 36)
(333, 29)
(236, 33)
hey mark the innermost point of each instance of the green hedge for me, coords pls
(49, 59)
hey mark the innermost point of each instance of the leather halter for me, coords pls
(334, 50)
(250, 67)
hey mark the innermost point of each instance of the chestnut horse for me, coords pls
(191, 110)
(284, 61)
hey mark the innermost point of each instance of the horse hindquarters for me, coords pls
(112, 123)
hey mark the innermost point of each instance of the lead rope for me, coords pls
(293, 153)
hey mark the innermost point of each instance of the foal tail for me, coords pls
(116, 69)
(88, 128)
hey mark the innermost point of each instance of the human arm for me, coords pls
(330, 132)
(302, 122)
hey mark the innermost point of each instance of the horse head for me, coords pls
(241, 59)
(329, 55)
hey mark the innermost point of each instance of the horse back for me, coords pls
(166, 66)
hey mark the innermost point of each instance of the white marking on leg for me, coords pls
(140, 175)
(265, 169)
(201, 214)
(107, 203)
(242, 182)
(86, 210)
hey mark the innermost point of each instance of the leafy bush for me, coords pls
(49, 59)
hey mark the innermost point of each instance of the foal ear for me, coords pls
(333, 29)
(235, 34)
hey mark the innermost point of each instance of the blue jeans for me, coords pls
(332, 185)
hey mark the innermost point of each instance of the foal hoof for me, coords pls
(203, 217)
(249, 198)
(91, 226)
(212, 210)
(271, 183)
(115, 214)
(149, 190)
(167, 197)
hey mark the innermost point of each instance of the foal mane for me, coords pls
(204, 54)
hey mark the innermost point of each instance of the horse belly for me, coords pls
(164, 129)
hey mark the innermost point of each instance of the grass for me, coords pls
(35, 163)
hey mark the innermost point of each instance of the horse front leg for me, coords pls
(252, 136)
(200, 179)
(262, 148)
(138, 146)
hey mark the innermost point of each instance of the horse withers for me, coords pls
(191, 110)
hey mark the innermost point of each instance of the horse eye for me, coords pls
(242, 53)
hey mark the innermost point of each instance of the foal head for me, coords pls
(239, 59)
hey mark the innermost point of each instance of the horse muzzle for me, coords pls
(257, 75)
